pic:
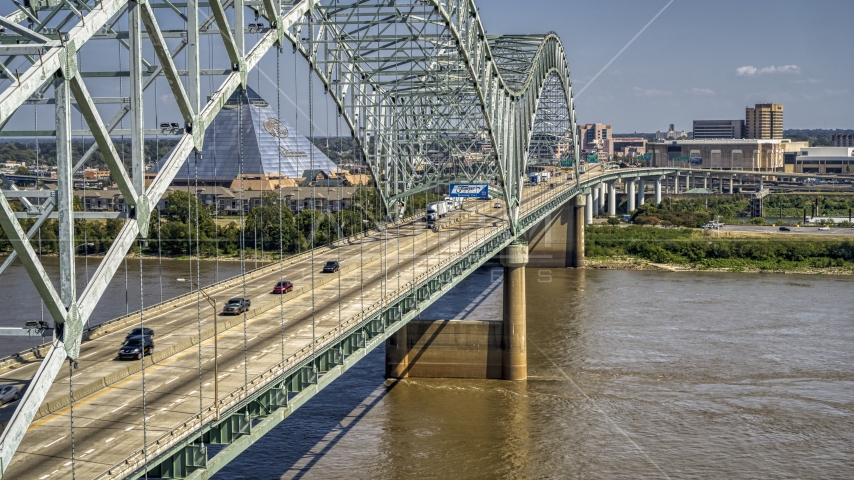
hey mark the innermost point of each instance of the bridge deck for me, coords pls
(108, 423)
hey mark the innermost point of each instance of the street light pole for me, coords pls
(216, 344)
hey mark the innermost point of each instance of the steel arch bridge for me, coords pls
(429, 97)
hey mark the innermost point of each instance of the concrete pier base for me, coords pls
(514, 341)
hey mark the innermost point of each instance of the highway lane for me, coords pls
(108, 424)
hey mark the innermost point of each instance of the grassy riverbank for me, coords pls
(638, 247)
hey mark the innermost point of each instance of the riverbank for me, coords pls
(650, 248)
(744, 266)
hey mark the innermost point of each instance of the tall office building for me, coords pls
(596, 137)
(764, 121)
(718, 129)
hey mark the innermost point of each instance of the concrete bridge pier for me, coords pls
(514, 341)
(658, 190)
(558, 240)
(630, 195)
(687, 182)
(597, 193)
(588, 207)
(676, 184)
(641, 191)
(705, 181)
(612, 199)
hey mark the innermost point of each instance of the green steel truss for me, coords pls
(429, 96)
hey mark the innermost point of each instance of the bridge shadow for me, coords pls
(297, 444)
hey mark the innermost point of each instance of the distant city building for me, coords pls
(269, 146)
(671, 134)
(732, 154)
(629, 146)
(596, 138)
(718, 129)
(764, 121)
(825, 160)
(842, 140)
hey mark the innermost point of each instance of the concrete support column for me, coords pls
(596, 202)
(658, 190)
(630, 195)
(705, 182)
(514, 342)
(676, 184)
(687, 182)
(612, 200)
(761, 183)
(641, 192)
(397, 354)
(588, 208)
(732, 184)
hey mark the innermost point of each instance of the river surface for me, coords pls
(632, 375)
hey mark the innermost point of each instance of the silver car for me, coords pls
(8, 394)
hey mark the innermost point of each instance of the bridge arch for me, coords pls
(431, 99)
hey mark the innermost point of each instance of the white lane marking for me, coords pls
(129, 428)
(191, 392)
(58, 439)
(109, 440)
(44, 476)
(170, 381)
(89, 355)
(119, 408)
(167, 336)
(206, 385)
(152, 416)
(173, 321)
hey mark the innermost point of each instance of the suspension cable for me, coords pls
(71, 414)
(199, 290)
(311, 147)
(142, 357)
(157, 159)
(240, 95)
(281, 205)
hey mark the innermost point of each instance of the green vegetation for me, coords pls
(818, 137)
(695, 212)
(186, 226)
(699, 250)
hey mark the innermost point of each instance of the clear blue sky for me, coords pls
(685, 66)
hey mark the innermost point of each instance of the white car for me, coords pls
(497, 205)
(8, 394)
(823, 229)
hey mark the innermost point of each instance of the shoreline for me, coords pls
(640, 264)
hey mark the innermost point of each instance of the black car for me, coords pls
(136, 332)
(331, 267)
(136, 347)
(785, 229)
(237, 305)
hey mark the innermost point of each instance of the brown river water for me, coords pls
(632, 375)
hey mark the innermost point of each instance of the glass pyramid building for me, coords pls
(271, 146)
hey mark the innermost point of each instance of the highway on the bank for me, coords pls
(108, 424)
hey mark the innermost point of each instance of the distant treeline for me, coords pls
(692, 247)
(695, 212)
(818, 137)
(186, 227)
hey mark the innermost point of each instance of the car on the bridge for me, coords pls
(332, 266)
(236, 306)
(823, 229)
(9, 394)
(431, 224)
(283, 287)
(140, 331)
(497, 205)
(136, 347)
(785, 229)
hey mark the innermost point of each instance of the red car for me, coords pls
(283, 287)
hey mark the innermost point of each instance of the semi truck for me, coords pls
(436, 210)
